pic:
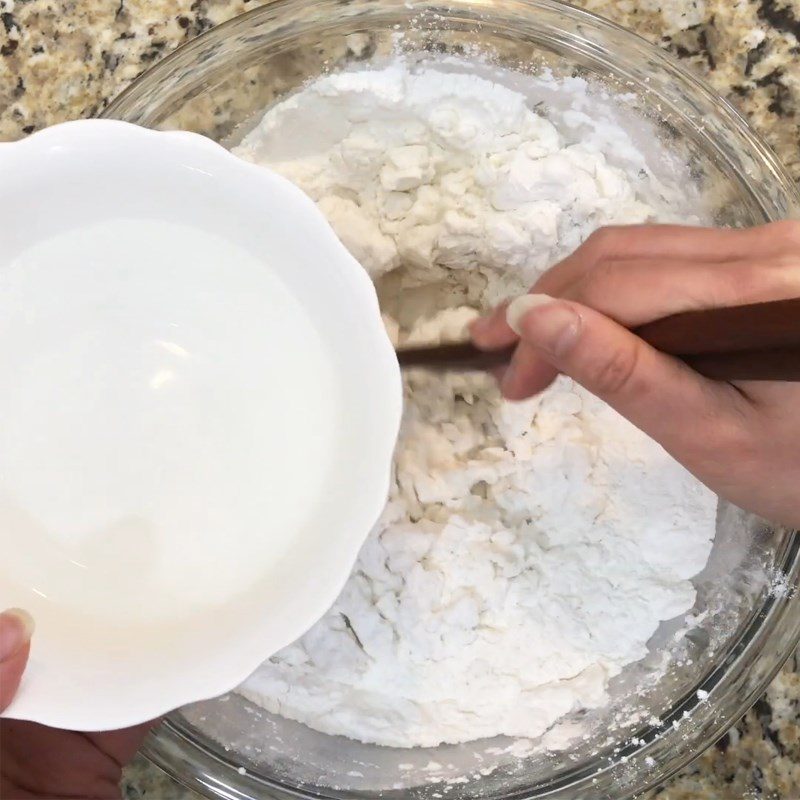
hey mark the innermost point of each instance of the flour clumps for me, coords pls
(528, 551)
(438, 171)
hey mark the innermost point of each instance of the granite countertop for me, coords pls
(65, 59)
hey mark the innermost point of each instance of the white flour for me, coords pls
(528, 551)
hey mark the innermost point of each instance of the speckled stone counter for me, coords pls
(66, 59)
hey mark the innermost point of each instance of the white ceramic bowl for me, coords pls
(129, 653)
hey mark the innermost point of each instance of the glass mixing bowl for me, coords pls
(746, 619)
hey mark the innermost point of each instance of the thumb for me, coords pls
(651, 389)
(16, 628)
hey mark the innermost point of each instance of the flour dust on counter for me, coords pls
(528, 551)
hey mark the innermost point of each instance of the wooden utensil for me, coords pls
(760, 341)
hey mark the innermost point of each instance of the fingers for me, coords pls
(649, 388)
(634, 274)
(50, 762)
(492, 331)
(641, 272)
(638, 291)
(121, 745)
(528, 374)
(668, 242)
(16, 628)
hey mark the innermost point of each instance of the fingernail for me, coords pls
(553, 328)
(521, 306)
(17, 634)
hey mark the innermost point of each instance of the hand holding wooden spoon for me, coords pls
(742, 439)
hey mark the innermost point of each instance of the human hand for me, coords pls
(37, 762)
(741, 439)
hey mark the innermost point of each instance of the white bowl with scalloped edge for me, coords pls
(149, 410)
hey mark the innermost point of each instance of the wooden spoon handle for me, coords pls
(774, 325)
(458, 357)
(748, 365)
(760, 341)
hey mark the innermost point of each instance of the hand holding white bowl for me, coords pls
(199, 405)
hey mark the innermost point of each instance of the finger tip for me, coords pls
(11, 672)
(514, 394)
(24, 620)
(517, 389)
(489, 333)
(478, 330)
(511, 388)
(15, 634)
(498, 373)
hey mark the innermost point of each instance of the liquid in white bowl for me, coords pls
(167, 416)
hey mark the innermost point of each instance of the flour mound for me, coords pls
(437, 170)
(528, 551)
